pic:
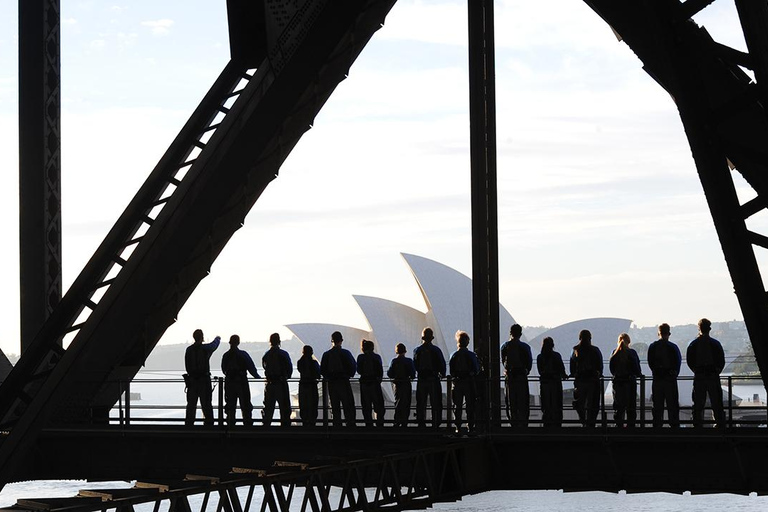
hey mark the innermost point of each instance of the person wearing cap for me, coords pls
(464, 368)
(236, 364)
(705, 357)
(517, 359)
(197, 363)
(665, 360)
(402, 371)
(277, 370)
(309, 369)
(338, 366)
(371, 371)
(430, 368)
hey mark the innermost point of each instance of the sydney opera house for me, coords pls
(447, 296)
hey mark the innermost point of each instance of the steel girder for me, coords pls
(405, 481)
(166, 240)
(39, 163)
(724, 115)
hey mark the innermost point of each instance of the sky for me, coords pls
(601, 212)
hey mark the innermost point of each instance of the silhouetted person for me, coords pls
(197, 362)
(706, 359)
(236, 365)
(277, 370)
(337, 367)
(309, 369)
(402, 371)
(371, 371)
(517, 360)
(430, 368)
(464, 368)
(587, 369)
(625, 368)
(664, 359)
(551, 375)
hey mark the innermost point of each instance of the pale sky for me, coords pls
(600, 209)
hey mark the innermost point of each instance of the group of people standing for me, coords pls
(337, 366)
(704, 355)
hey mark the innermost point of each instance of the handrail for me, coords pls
(127, 411)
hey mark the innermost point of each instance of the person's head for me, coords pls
(623, 342)
(427, 335)
(547, 344)
(336, 338)
(307, 350)
(516, 331)
(664, 331)
(274, 339)
(462, 339)
(234, 340)
(198, 335)
(366, 345)
(704, 326)
(585, 337)
(400, 349)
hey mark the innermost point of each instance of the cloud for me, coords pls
(159, 27)
(69, 21)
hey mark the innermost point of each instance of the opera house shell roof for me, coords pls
(447, 296)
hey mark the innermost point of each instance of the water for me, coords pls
(496, 501)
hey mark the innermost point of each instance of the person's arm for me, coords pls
(560, 366)
(574, 364)
(599, 357)
(212, 346)
(287, 365)
(390, 371)
(636, 360)
(379, 368)
(324, 366)
(678, 361)
(352, 364)
(412, 370)
(719, 357)
(316, 367)
(690, 356)
(529, 359)
(249, 365)
(504, 348)
(475, 363)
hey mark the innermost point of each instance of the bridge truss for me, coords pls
(288, 56)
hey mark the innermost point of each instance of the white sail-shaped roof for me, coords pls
(448, 296)
(391, 323)
(318, 336)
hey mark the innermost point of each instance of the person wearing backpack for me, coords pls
(625, 368)
(464, 368)
(278, 368)
(706, 359)
(551, 376)
(587, 371)
(197, 363)
(402, 371)
(371, 370)
(430, 368)
(517, 360)
(236, 364)
(665, 360)
(337, 366)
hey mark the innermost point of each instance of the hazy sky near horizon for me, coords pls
(600, 209)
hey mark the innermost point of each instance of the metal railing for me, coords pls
(169, 407)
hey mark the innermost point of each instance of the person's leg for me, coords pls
(672, 395)
(193, 395)
(421, 401)
(348, 402)
(366, 403)
(206, 401)
(699, 399)
(715, 390)
(378, 404)
(284, 400)
(269, 403)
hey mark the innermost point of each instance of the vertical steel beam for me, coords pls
(39, 163)
(485, 253)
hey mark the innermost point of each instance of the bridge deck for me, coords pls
(637, 460)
